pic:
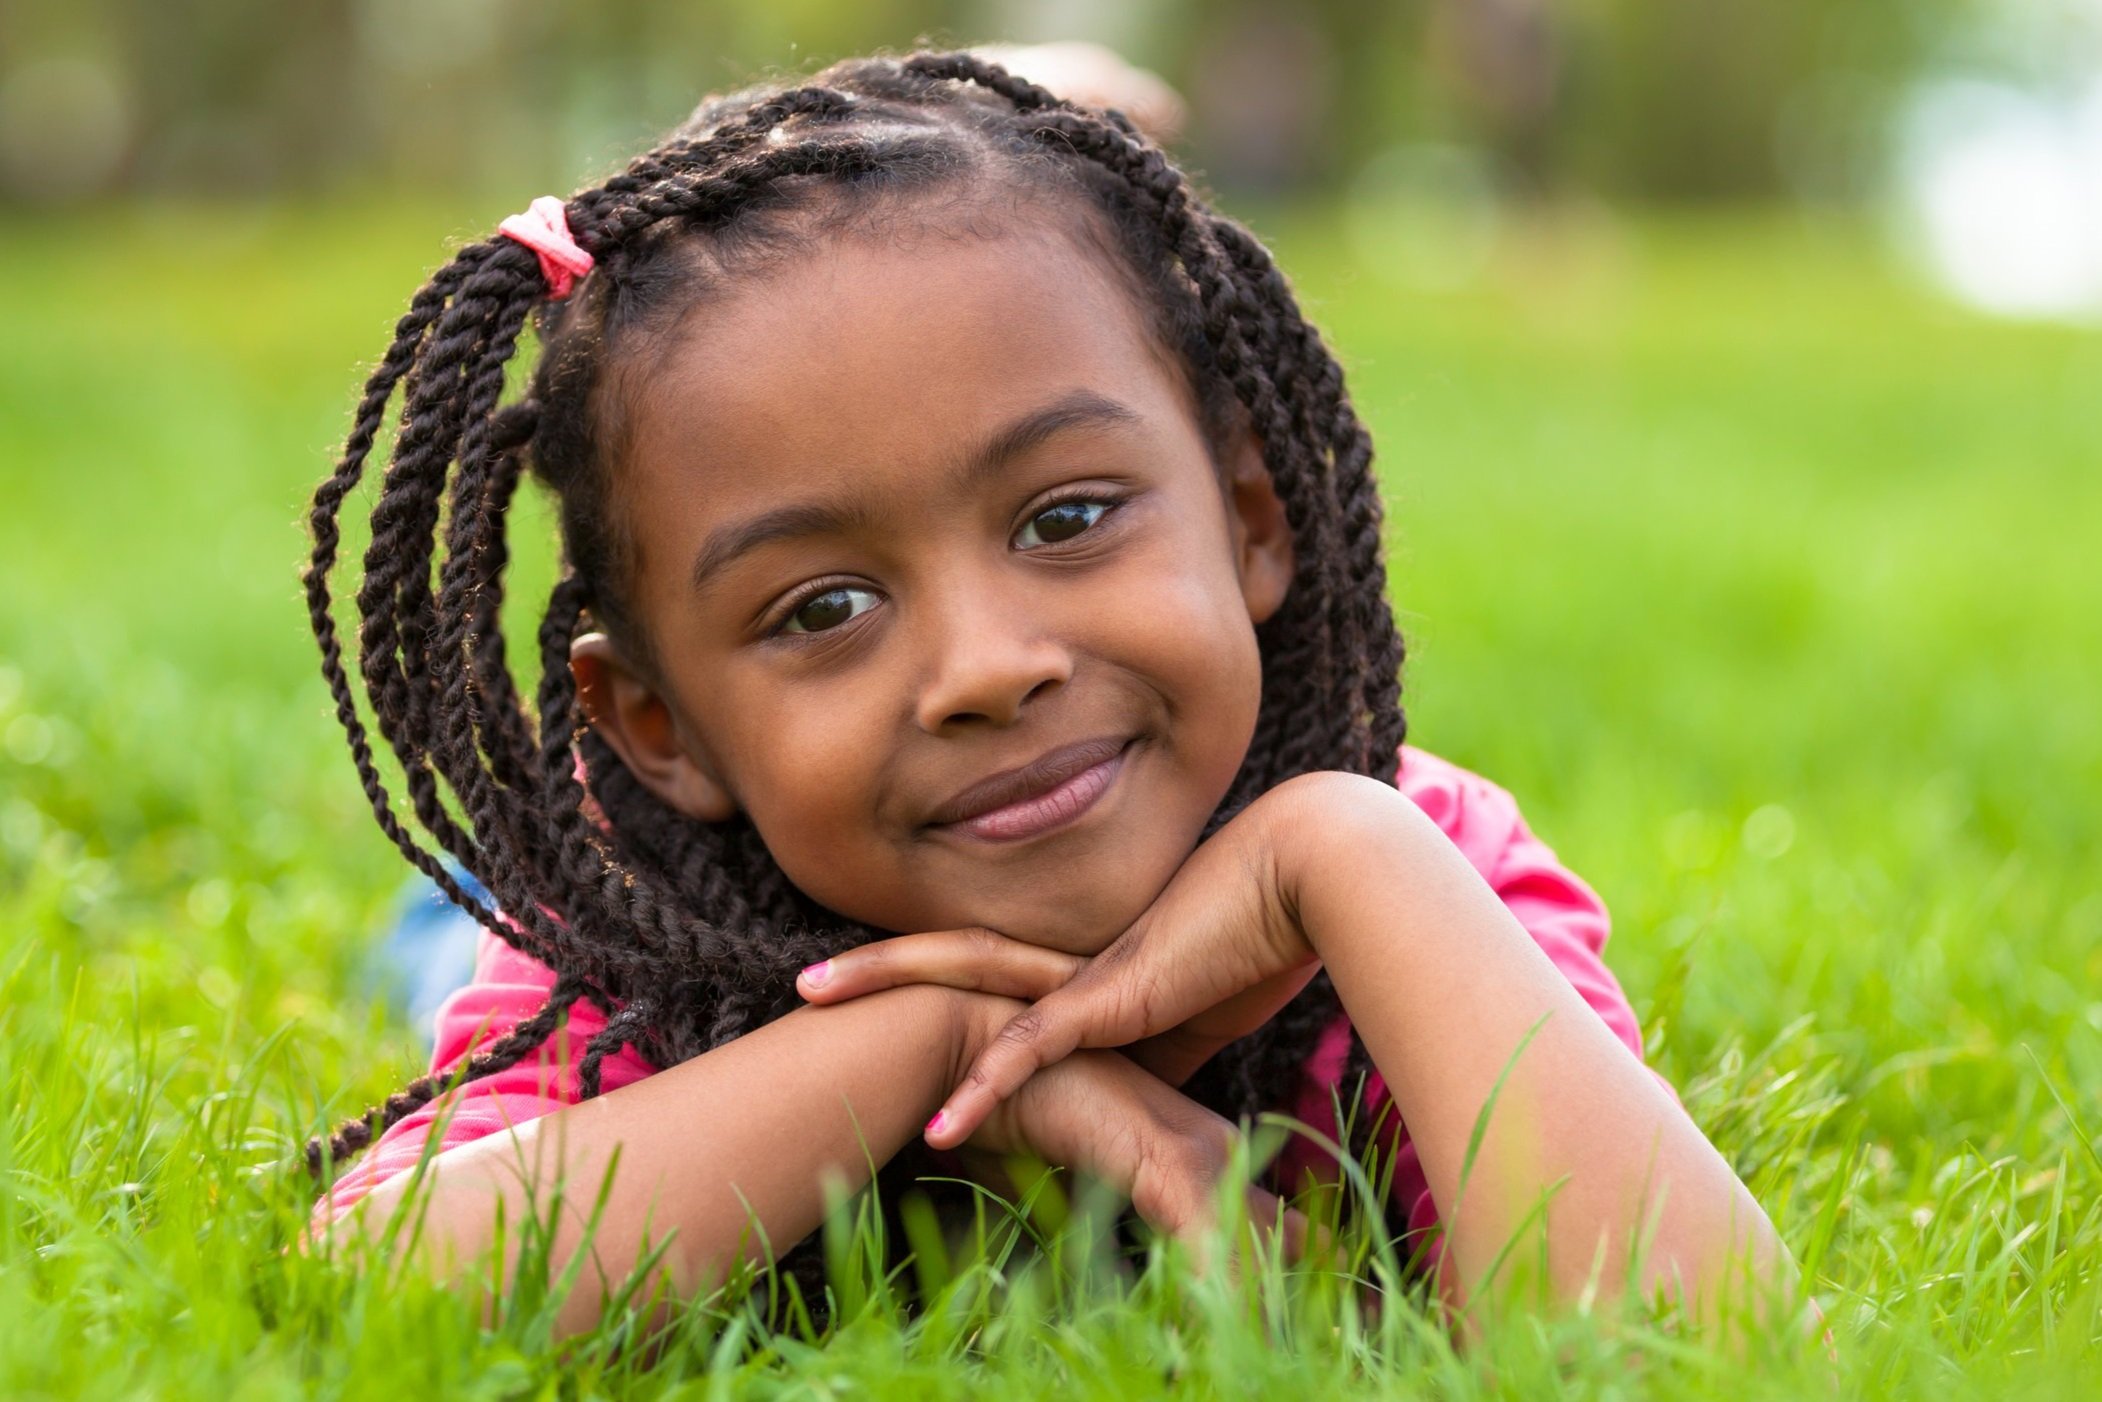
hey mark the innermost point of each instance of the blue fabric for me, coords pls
(428, 951)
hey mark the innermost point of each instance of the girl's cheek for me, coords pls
(1199, 630)
(817, 769)
(1222, 670)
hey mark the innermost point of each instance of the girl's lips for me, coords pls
(1053, 808)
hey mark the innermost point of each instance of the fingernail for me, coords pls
(934, 1126)
(816, 974)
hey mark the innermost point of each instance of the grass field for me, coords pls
(1772, 586)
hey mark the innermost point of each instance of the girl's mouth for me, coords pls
(1046, 794)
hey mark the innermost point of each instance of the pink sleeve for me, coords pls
(508, 987)
(1563, 915)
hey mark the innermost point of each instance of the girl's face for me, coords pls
(945, 589)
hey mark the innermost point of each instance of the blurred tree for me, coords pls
(1690, 99)
(1505, 63)
(1650, 98)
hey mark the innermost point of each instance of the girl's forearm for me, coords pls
(741, 1135)
(1445, 986)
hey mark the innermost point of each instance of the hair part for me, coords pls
(688, 934)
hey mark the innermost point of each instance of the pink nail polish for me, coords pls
(934, 1126)
(816, 974)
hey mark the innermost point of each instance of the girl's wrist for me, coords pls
(959, 1023)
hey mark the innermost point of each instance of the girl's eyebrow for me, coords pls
(1080, 409)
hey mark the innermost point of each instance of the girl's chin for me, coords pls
(1078, 906)
(1070, 931)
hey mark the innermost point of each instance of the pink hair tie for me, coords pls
(544, 228)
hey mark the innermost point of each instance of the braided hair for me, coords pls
(687, 934)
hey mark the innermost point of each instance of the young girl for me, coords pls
(964, 533)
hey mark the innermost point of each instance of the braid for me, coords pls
(513, 749)
(409, 335)
(689, 934)
(502, 1054)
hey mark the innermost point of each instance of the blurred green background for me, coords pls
(1641, 98)
(1735, 375)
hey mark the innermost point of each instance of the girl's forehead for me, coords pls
(873, 355)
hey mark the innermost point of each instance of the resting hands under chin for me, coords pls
(1215, 956)
(1102, 1115)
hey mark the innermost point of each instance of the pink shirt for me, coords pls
(1560, 912)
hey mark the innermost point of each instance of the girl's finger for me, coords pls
(1041, 1035)
(978, 961)
(1115, 999)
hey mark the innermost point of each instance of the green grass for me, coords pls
(1767, 582)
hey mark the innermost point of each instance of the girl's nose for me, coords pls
(989, 658)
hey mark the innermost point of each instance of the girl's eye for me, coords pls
(1060, 523)
(828, 610)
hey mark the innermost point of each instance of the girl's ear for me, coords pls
(634, 718)
(1262, 539)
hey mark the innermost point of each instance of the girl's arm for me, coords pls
(1459, 1008)
(1452, 997)
(749, 1133)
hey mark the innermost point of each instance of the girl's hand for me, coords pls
(985, 961)
(1227, 923)
(1100, 1115)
